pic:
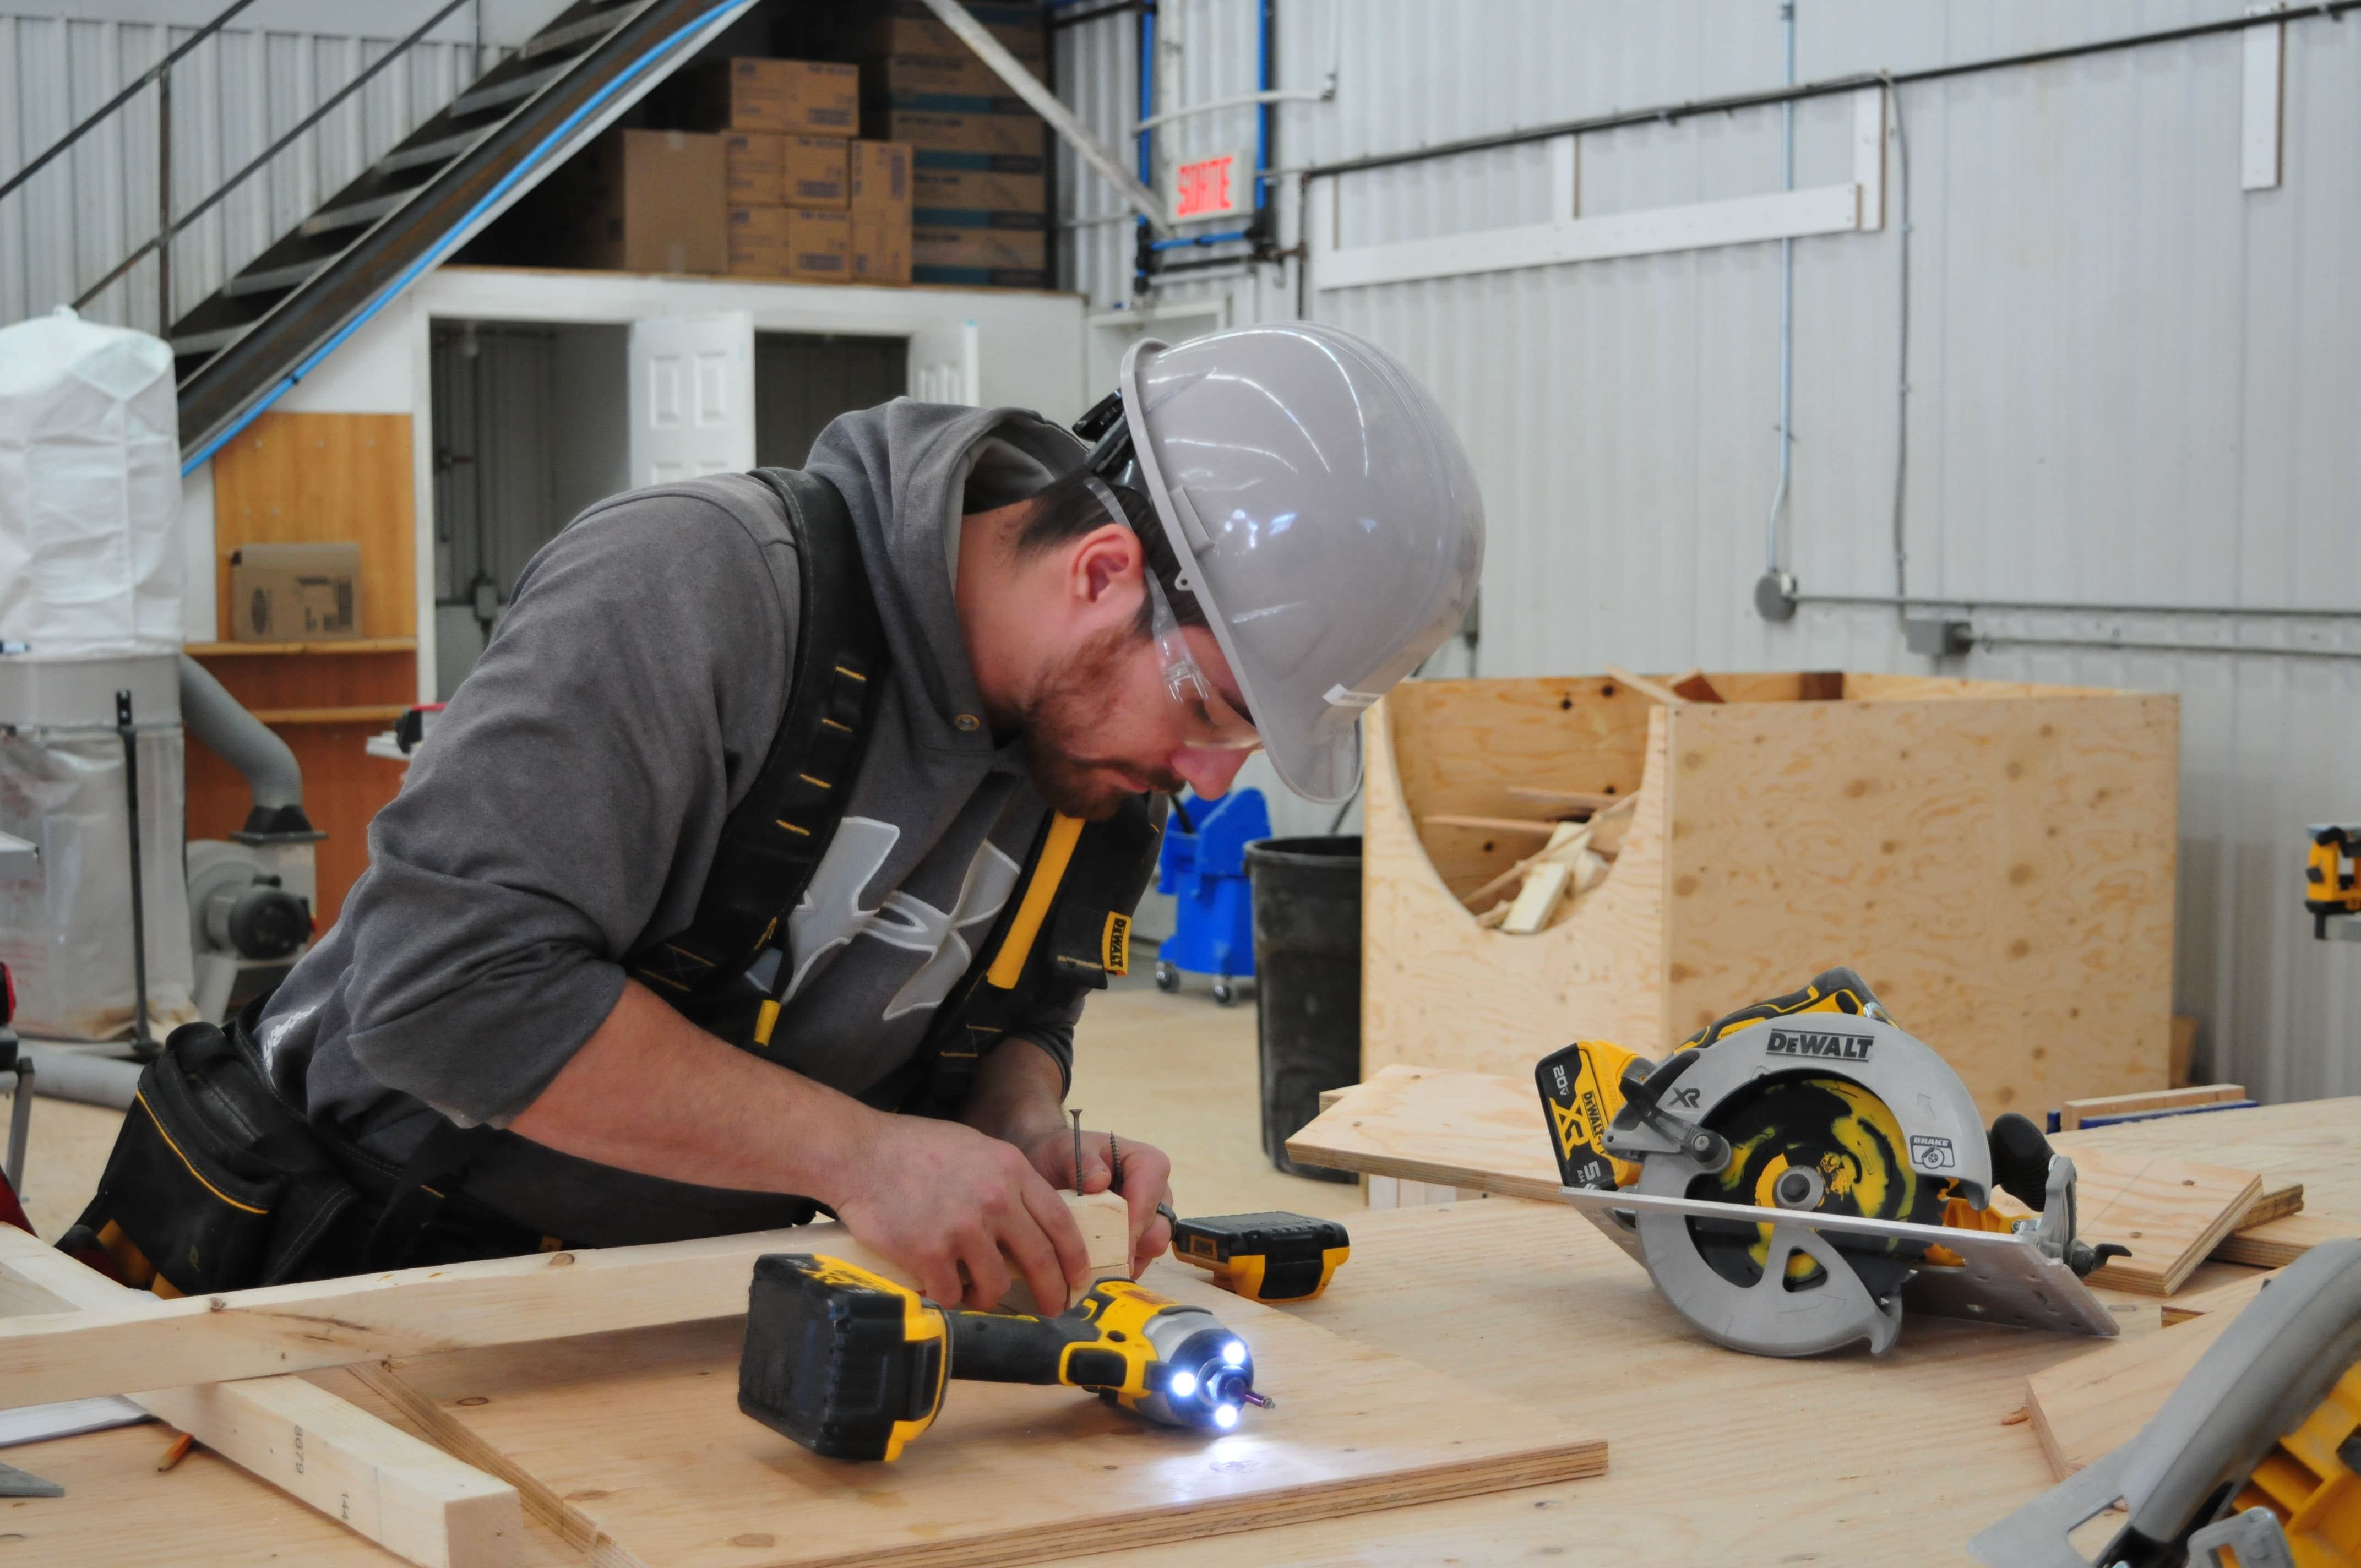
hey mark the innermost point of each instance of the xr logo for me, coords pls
(1683, 1099)
(831, 915)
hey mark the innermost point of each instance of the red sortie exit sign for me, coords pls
(1218, 187)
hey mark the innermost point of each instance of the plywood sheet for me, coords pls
(635, 1445)
(2277, 1243)
(1999, 869)
(2308, 1143)
(1469, 1130)
(2170, 1212)
(2085, 1408)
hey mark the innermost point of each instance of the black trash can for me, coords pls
(1307, 937)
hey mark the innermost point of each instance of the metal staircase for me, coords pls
(254, 337)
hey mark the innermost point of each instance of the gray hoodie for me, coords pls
(566, 808)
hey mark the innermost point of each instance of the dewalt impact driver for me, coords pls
(852, 1365)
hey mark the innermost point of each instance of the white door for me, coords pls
(692, 396)
(944, 367)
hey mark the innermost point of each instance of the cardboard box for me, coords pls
(881, 246)
(915, 29)
(754, 168)
(879, 173)
(958, 73)
(820, 246)
(758, 242)
(788, 97)
(982, 277)
(980, 198)
(928, 130)
(637, 202)
(980, 249)
(996, 162)
(814, 172)
(284, 593)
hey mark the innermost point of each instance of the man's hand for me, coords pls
(947, 1202)
(1147, 1181)
(1016, 1098)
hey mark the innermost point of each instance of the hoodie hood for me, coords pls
(908, 471)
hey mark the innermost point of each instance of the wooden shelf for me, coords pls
(377, 713)
(344, 645)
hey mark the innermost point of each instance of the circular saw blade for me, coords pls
(1846, 1136)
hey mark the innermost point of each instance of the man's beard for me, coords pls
(1060, 721)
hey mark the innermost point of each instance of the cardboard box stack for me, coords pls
(980, 203)
(804, 200)
(632, 202)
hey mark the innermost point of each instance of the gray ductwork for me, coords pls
(246, 744)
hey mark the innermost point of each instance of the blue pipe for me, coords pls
(1262, 111)
(1199, 239)
(442, 246)
(1147, 108)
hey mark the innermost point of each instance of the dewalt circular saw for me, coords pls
(1792, 1172)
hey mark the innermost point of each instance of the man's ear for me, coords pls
(1106, 560)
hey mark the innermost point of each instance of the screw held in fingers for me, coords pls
(1077, 1115)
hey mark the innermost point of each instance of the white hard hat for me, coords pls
(1322, 512)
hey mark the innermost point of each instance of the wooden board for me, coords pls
(414, 1500)
(2170, 1212)
(301, 478)
(1469, 1130)
(2275, 1243)
(143, 1343)
(2307, 1144)
(1997, 860)
(2084, 1408)
(634, 1448)
(2074, 1113)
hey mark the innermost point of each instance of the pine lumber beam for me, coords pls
(407, 1496)
(120, 1346)
(1653, 691)
(2072, 1114)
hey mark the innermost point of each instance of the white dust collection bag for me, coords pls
(90, 490)
(91, 573)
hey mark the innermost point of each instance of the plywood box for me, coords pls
(1996, 860)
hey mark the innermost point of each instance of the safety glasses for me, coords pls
(1209, 722)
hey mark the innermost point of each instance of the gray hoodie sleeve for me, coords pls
(570, 798)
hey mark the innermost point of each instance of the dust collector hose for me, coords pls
(246, 744)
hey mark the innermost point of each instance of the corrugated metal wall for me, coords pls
(232, 96)
(2130, 380)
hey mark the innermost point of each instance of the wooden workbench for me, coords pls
(1716, 1458)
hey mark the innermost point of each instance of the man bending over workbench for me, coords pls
(763, 861)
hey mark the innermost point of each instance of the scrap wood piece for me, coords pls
(1422, 1124)
(1561, 834)
(2085, 1408)
(2170, 1212)
(1543, 887)
(119, 1346)
(2073, 1114)
(1651, 690)
(1491, 824)
(2277, 1243)
(405, 1494)
(2280, 1198)
(1694, 687)
(1566, 799)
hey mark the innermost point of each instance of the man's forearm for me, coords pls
(651, 1092)
(1016, 1095)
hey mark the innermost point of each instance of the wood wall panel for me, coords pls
(308, 478)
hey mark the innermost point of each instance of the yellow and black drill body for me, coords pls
(2330, 885)
(852, 1365)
